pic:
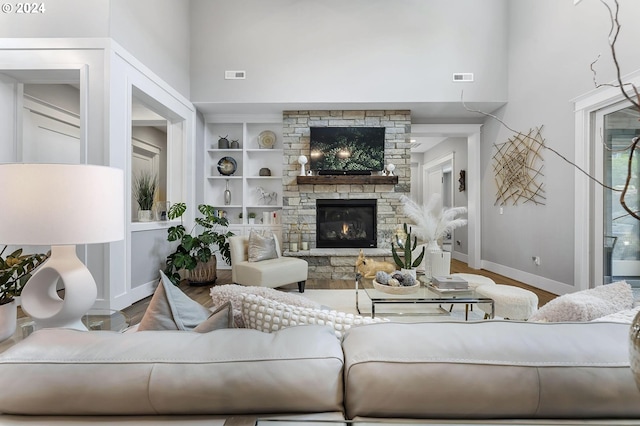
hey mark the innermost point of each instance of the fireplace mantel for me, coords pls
(347, 180)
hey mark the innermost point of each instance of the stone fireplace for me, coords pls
(346, 223)
(299, 217)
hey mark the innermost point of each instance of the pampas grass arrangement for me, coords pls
(431, 225)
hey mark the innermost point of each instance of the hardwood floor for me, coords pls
(201, 293)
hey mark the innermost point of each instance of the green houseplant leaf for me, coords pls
(15, 270)
(208, 236)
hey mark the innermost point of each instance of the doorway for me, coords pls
(437, 179)
(471, 133)
(620, 235)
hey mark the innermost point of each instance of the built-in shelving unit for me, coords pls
(246, 183)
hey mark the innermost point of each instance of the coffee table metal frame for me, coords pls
(426, 294)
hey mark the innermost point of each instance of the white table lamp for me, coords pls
(60, 205)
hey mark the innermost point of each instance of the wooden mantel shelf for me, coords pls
(347, 180)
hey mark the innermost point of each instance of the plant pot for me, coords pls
(145, 215)
(203, 273)
(8, 320)
(252, 220)
(411, 272)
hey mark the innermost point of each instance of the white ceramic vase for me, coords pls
(8, 320)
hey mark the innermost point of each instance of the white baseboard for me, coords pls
(555, 287)
(462, 257)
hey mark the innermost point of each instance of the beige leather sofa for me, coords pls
(266, 273)
(490, 372)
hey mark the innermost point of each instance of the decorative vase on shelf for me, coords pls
(634, 348)
(223, 142)
(227, 195)
(8, 320)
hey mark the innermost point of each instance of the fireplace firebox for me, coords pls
(346, 223)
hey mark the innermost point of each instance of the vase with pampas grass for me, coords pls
(430, 225)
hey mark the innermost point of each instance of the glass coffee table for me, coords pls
(425, 294)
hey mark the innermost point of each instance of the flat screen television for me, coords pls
(342, 150)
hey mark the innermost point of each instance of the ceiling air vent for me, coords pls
(235, 75)
(463, 76)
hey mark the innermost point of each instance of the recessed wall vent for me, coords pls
(235, 75)
(462, 77)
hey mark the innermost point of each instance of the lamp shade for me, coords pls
(60, 204)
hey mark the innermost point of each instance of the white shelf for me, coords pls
(266, 150)
(224, 150)
(250, 158)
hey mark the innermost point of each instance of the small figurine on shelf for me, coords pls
(265, 197)
(390, 168)
(235, 144)
(302, 160)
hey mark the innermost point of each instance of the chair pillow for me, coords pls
(586, 305)
(171, 309)
(268, 316)
(262, 245)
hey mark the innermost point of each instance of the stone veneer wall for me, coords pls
(299, 201)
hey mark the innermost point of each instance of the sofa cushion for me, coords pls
(269, 316)
(70, 372)
(171, 309)
(586, 305)
(262, 245)
(489, 369)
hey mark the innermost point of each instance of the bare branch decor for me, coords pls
(517, 165)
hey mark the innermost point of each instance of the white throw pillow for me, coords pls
(586, 305)
(232, 293)
(269, 316)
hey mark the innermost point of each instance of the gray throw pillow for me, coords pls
(171, 309)
(262, 245)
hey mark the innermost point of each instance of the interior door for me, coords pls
(620, 231)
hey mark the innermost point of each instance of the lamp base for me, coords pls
(40, 299)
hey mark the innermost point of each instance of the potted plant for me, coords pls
(195, 254)
(144, 191)
(252, 218)
(15, 271)
(405, 262)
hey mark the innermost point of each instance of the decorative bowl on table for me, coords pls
(408, 289)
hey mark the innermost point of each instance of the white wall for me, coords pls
(347, 51)
(156, 32)
(551, 45)
(61, 18)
